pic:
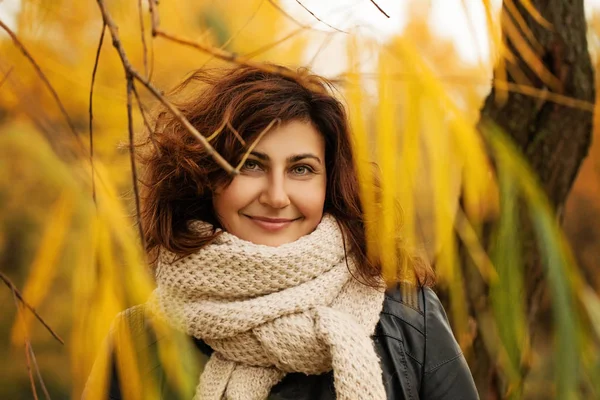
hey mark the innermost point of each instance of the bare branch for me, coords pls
(236, 34)
(30, 372)
(319, 19)
(143, 112)
(232, 57)
(269, 46)
(545, 94)
(131, 71)
(322, 47)
(209, 149)
(6, 76)
(136, 191)
(132, 74)
(236, 133)
(16, 292)
(29, 353)
(153, 15)
(27, 359)
(255, 143)
(44, 79)
(37, 370)
(294, 20)
(141, 14)
(219, 129)
(153, 25)
(511, 87)
(379, 8)
(227, 123)
(151, 60)
(91, 111)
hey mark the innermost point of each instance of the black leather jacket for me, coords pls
(420, 358)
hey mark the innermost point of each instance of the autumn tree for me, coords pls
(546, 49)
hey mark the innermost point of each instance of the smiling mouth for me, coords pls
(271, 224)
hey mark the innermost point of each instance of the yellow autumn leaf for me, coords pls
(387, 149)
(43, 268)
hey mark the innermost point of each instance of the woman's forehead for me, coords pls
(291, 139)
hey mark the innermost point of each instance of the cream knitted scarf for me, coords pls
(268, 311)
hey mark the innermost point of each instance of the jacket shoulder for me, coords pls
(446, 372)
(401, 327)
(441, 346)
(415, 316)
(405, 304)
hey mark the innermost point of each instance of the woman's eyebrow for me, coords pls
(260, 156)
(290, 159)
(298, 157)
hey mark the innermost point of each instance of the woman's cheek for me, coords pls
(238, 194)
(310, 199)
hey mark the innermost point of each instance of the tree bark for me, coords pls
(554, 138)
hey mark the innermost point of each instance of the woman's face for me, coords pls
(280, 192)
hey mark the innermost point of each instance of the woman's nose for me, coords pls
(275, 195)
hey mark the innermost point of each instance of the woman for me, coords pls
(266, 273)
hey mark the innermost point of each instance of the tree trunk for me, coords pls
(554, 138)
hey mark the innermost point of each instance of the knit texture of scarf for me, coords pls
(268, 311)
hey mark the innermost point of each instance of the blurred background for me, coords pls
(45, 192)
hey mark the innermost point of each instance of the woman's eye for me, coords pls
(302, 170)
(251, 165)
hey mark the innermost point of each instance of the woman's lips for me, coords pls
(271, 224)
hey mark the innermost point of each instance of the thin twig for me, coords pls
(184, 121)
(236, 133)
(294, 20)
(6, 76)
(232, 57)
(322, 46)
(236, 34)
(151, 73)
(37, 371)
(269, 46)
(12, 287)
(154, 21)
(146, 122)
(218, 130)
(141, 14)
(136, 191)
(329, 37)
(227, 123)
(37, 118)
(27, 359)
(511, 87)
(563, 100)
(91, 111)
(222, 54)
(153, 24)
(319, 19)
(379, 8)
(131, 71)
(44, 79)
(255, 143)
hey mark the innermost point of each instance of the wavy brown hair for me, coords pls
(180, 177)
